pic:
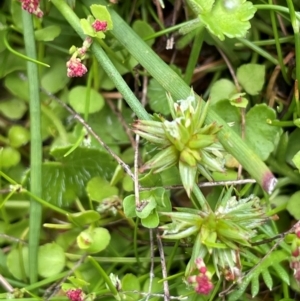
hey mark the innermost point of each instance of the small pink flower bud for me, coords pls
(33, 7)
(201, 265)
(201, 282)
(296, 252)
(204, 285)
(75, 68)
(99, 25)
(75, 294)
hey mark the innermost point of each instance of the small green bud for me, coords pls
(187, 157)
(201, 141)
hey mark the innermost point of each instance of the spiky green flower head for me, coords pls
(220, 234)
(185, 141)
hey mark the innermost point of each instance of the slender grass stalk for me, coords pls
(171, 82)
(193, 59)
(287, 39)
(102, 273)
(278, 8)
(278, 46)
(295, 25)
(24, 57)
(259, 50)
(35, 147)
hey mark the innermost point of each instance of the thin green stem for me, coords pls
(278, 8)
(46, 281)
(259, 50)
(193, 58)
(295, 25)
(201, 199)
(35, 146)
(56, 122)
(22, 56)
(280, 123)
(165, 31)
(45, 203)
(268, 42)
(7, 178)
(107, 280)
(278, 46)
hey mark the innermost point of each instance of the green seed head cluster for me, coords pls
(220, 234)
(185, 141)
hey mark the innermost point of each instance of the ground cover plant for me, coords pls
(149, 150)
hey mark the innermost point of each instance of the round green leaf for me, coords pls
(48, 33)
(17, 266)
(16, 86)
(55, 78)
(221, 89)
(51, 259)
(93, 240)
(127, 183)
(157, 95)
(18, 136)
(9, 157)
(156, 286)
(296, 160)
(157, 98)
(151, 221)
(229, 18)
(261, 136)
(148, 203)
(251, 77)
(293, 205)
(77, 99)
(143, 29)
(13, 108)
(129, 206)
(99, 189)
(131, 283)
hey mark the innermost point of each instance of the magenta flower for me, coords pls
(99, 25)
(75, 294)
(33, 7)
(75, 68)
(201, 282)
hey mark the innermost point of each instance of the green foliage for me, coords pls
(158, 100)
(47, 33)
(150, 203)
(272, 262)
(18, 136)
(293, 205)
(251, 77)
(260, 136)
(78, 97)
(100, 13)
(98, 189)
(131, 283)
(225, 18)
(89, 204)
(93, 240)
(13, 108)
(66, 178)
(52, 260)
(143, 29)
